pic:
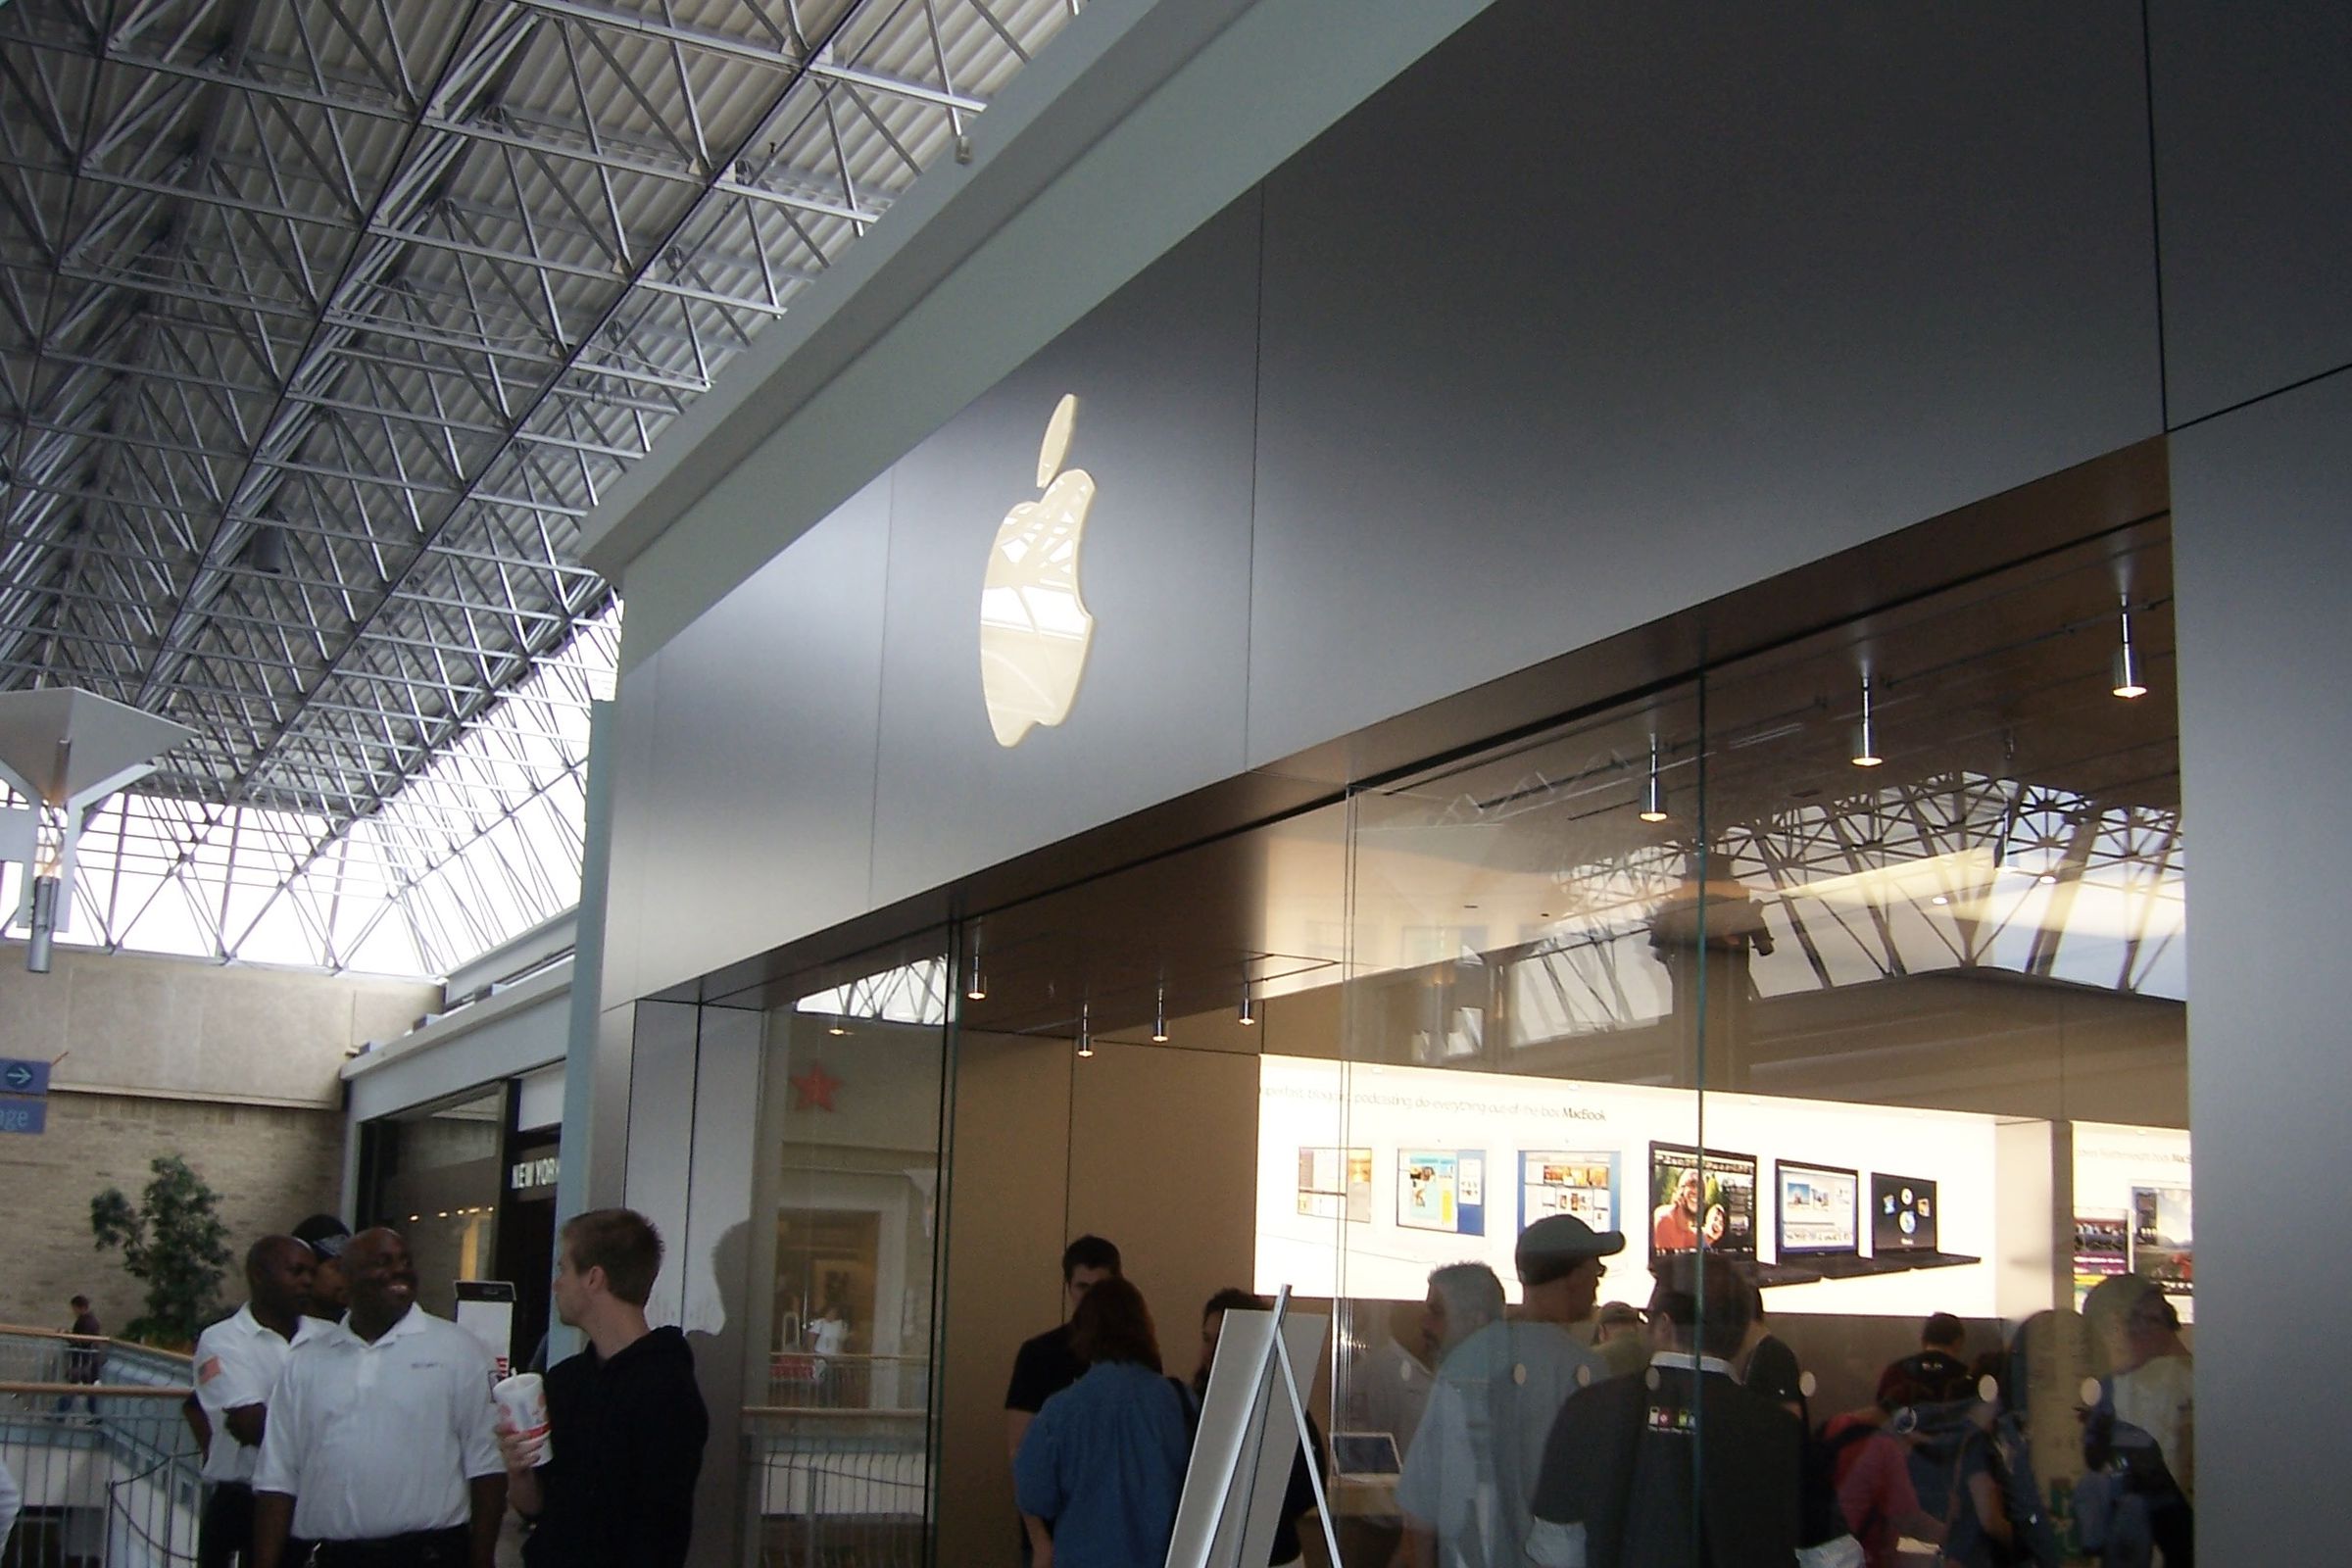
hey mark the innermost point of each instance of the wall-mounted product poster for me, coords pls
(2102, 1249)
(1701, 1199)
(1581, 1182)
(1336, 1184)
(2160, 1238)
(2132, 1209)
(1850, 1208)
(1442, 1190)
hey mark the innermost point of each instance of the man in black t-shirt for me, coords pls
(1683, 1467)
(625, 1420)
(1045, 1365)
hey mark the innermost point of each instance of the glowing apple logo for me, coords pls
(1033, 628)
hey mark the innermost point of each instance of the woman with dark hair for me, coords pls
(1100, 1469)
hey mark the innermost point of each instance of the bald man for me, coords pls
(237, 1363)
(380, 1452)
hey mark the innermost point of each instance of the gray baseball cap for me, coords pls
(1558, 1243)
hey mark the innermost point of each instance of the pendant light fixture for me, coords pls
(1653, 791)
(1866, 740)
(1248, 1001)
(975, 985)
(2129, 680)
(1160, 1016)
(1086, 1030)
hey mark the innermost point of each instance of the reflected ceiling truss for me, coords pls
(1959, 871)
(324, 326)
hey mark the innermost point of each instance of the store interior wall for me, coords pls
(1148, 1146)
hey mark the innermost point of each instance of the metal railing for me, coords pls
(93, 1433)
(803, 1380)
(836, 1487)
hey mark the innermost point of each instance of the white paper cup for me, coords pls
(522, 1401)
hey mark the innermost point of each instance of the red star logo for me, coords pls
(813, 1090)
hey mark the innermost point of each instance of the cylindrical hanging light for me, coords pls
(1653, 792)
(1086, 1029)
(1160, 1016)
(1248, 1001)
(975, 985)
(1866, 740)
(2129, 681)
(44, 925)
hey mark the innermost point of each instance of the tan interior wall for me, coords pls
(1007, 1191)
(1152, 1146)
(1163, 1161)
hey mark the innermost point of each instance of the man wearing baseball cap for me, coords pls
(1471, 1471)
(325, 1235)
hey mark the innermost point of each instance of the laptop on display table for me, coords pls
(1364, 1458)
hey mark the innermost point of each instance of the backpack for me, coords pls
(2033, 1537)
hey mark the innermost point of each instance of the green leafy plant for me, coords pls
(175, 1242)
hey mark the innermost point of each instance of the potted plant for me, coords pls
(175, 1242)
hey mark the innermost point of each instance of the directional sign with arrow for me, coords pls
(24, 1077)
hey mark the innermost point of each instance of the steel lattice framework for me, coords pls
(1955, 873)
(324, 324)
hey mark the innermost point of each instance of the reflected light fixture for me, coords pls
(1160, 1016)
(2129, 680)
(1248, 1001)
(1866, 740)
(975, 988)
(1086, 1029)
(1653, 792)
(839, 1027)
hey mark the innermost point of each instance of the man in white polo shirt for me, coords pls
(237, 1363)
(379, 1451)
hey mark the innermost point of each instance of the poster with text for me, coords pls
(1336, 1184)
(1578, 1182)
(1442, 1190)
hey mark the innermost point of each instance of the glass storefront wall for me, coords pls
(1848, 1012)
(840, 1436)
(1867, 1001)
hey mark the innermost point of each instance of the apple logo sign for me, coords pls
(1034, 627)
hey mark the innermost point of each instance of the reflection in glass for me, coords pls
(1895, 1054)
(839, 1409)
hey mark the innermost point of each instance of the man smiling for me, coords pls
(379, 1449)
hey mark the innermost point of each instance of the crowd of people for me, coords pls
(344, 1426)
(1566, 1434)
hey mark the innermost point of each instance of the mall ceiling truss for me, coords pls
(323, 324)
